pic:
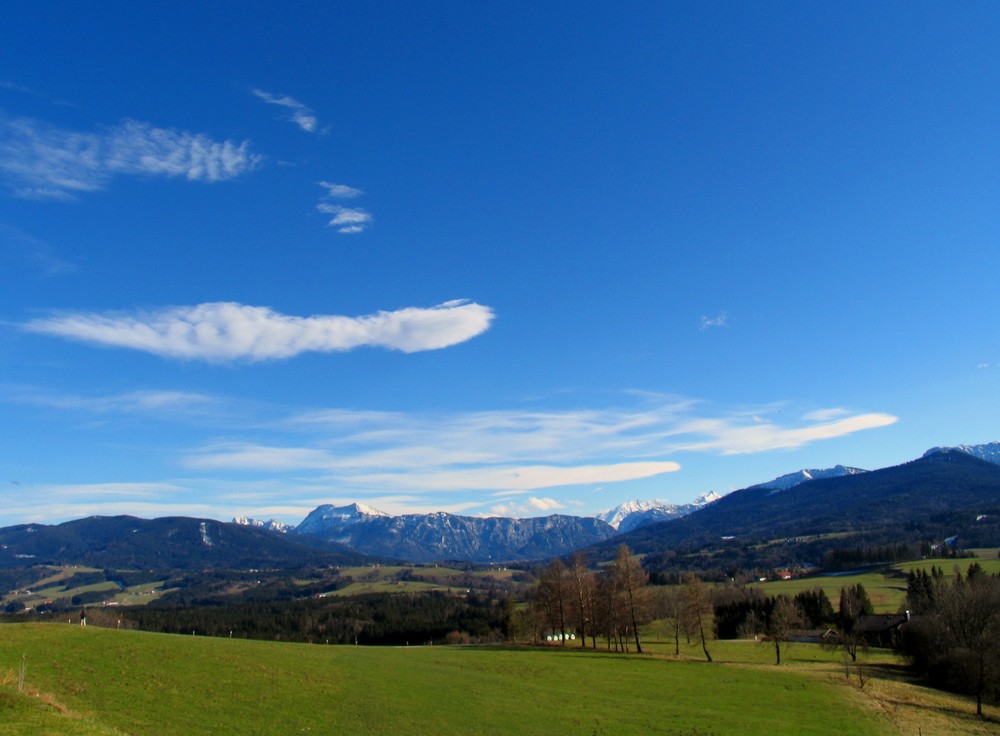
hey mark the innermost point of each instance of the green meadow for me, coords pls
(100, 681)
(886, 586)
(417, 579)
(57, 586)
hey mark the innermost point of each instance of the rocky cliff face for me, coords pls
(441, 536)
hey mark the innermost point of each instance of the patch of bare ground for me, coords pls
(12, 680)
(888, 689)
(922, 711)
(913, 708)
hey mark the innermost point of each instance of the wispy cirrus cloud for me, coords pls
(347, 220)
(228, 331)
(160, 403)
(298, 113)
(43, 161)
(739, 439)
(516, 452)
(531, 507)
(720, 320)
(21, 246)
(49, 504)
(510, 462)
(341, 191)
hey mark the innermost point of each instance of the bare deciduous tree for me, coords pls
(785, 617)
(631, 581)
(696, 607)
(552, 597)
(583, 585)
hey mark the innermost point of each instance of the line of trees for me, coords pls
(742, 613)
(611, 604)
(375, 619)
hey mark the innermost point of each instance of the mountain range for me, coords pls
(948, 492)
(167, 543)
(947, 496)
(443, 536)
(634, 514)
(989, 451)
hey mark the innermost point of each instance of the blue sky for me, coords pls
(489, 258)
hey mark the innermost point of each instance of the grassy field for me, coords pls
(886, 586)
(418, 578)
(100, 681)
(57, 586)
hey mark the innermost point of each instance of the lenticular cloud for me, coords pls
(227, 331)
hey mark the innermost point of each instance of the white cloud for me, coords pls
(419, 468)
(299, 114)
(259, 457)
(520, 463)
(522, 477)
(510, 452)
(721, 320)
(340, 191)
(160, 403)
(731, 438)
(347, 220)
(823, 415)
(227, 331)
(42, 161)
(531, 507)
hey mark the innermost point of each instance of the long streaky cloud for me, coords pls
(227, 331)
(732, 439)
(299, 114)
(519, 478)
(42, 161)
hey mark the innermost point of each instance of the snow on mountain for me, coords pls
(784, 482)
(272, 525)
(615, 516)
(326, 516)
(443, 536)
(990, 451)
(633, 514)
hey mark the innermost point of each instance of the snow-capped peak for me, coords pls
(633, 514)
(784, 482)
(615, 516)
(324, 516)
(990, 451)
(272, 525)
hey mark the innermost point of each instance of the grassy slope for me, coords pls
(885, 586)
(155, 684)
(53, 587)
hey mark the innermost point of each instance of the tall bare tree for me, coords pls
(669, 605)
(582, 583)
(552, 597)
(697, 608)
(631, 581)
